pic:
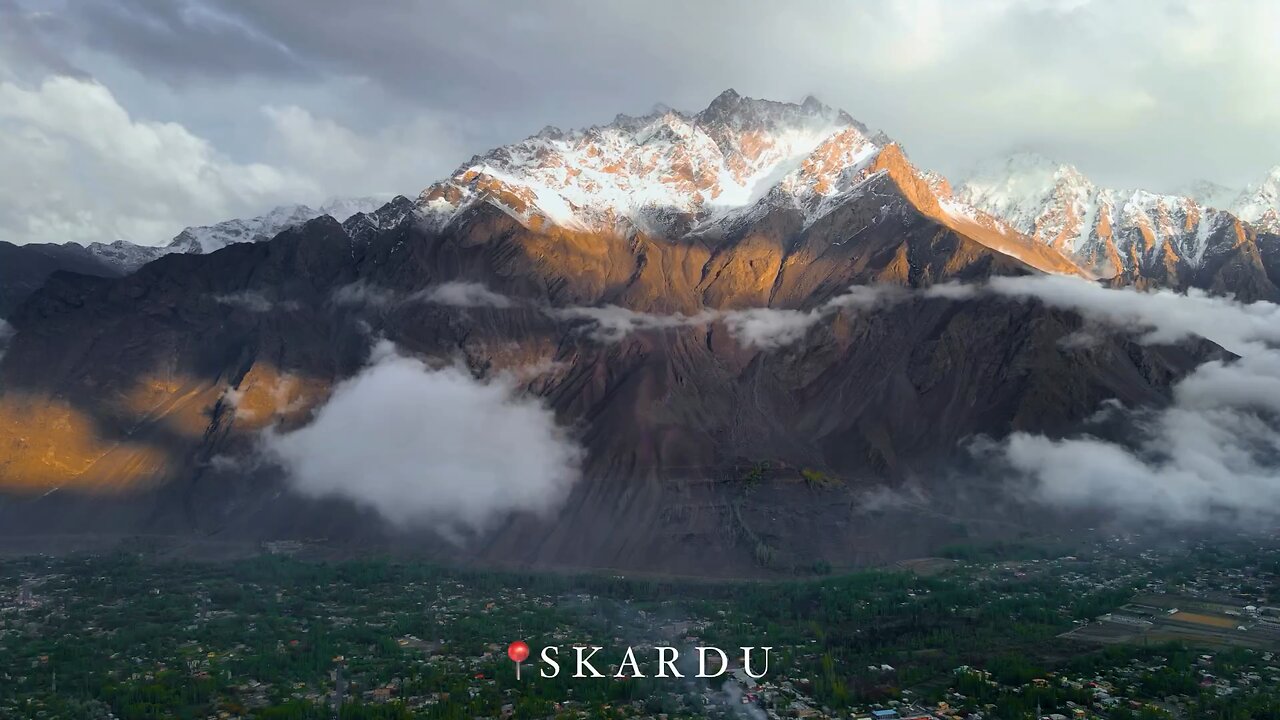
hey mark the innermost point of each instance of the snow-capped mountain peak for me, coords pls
(1037, 195)
(659, 171)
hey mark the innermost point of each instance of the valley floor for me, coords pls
(996, 631)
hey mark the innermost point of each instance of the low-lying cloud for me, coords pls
(255, 302)
(453, 294)
(439, 446)
(613, 323)
(1212, 455)
(1161, 316)
(760, 327)
(433, 448)
(465, 294)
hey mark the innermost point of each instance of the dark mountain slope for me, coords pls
(24, 268)
(117, 393)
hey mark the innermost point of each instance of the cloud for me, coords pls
(465, 294)
(400, 157)
(343, 98)
(770, 328)
(431, 447)
(613, 323)
(1162, 316)
(361, 293)
(453, 294)
(1213, 455)
(254, 301)
(763, 327)
(74, 165)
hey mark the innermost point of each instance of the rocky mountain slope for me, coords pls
(25, 268)
(754, 386)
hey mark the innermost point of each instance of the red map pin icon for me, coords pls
(518, 651)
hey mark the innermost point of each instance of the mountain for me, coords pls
(1132, 236)
(208, 238)
(123, 256)
(751, 389)
(1260, 202)
(24, 268)
(674, 175)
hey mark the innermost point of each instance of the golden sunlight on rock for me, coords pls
(266, 395)
(46, 444)
(182, 405)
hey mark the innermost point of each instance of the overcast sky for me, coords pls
(134, 118)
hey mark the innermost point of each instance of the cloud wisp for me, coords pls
(454, 293)
(431, 448)
(255, 302)
(762, 327)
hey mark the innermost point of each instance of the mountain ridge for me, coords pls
(1132, 237)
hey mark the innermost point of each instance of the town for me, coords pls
(1112, 630)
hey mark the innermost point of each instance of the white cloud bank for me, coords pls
(77, 166)
(431, 448)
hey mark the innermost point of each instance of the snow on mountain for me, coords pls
(1107, 230)
(342, 208)
(673, 174)
(208, 238)
(1260, 203)
(365, 223)
(357, 214)
(125, 255)
(665, 170)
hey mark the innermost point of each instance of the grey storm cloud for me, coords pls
(954, 81)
